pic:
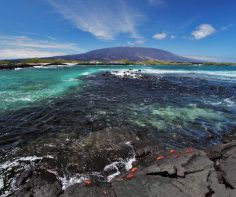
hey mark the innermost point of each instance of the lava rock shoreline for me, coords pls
(181, 173)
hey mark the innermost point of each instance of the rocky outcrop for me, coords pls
(39, 183)
(183, 173)
(223, 179)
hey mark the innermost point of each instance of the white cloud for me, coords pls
(25, 53)
(172, 36)
(26, 47)
(140, 41)
(160, 36)
(223, 28)
(203, 31)
(23, 41)
(104, 19)
(203, 58)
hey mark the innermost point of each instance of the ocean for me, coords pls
(85, 121)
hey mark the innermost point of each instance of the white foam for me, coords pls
(229, 102)
(9, 165)
(123, 73)
(111, 167)
(130, 161)
(165, 71)
(71, 79)
(114, 166)
(26, 99)
(16, 162)
(19, 99)
(77, 178)
(66, 182)
(127, 163)
(135, 72)
(212, 103)
(1, 183)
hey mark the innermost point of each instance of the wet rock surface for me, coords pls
(40, 184)
(182, 173)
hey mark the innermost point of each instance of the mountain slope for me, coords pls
(129, 53)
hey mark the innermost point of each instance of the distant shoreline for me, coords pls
(13, 66)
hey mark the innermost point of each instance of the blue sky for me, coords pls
(203, 29)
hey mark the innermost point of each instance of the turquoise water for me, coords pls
(27, 87)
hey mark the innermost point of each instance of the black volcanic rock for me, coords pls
(184, 173)
(41, 184)
(128, 53)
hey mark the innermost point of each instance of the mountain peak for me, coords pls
(129, 53)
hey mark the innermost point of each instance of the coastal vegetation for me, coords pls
(6, 63)
(11, 64)
(220, 63)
